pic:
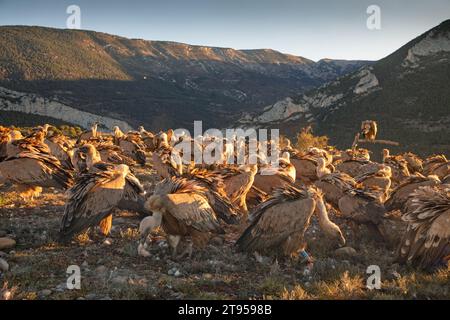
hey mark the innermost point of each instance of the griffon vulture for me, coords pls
(278, 225)
(426, 243)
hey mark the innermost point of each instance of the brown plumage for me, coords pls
(166, 163)
(94, 195)
(237, 183)
(378, 177)
(334, 186)
(399, 167)
(278, 225)
(433, 162)
(87, 135)
(364, 207)
(415, 164)
(401, 193)
(369, 129)
(427, 239)
(181, 207)
(31, 166)
(352, 167)
(270, 178)
(305, 167)
(133, 149)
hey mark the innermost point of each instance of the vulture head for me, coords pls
(92, 155)
(385, 154)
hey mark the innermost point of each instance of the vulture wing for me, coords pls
(36, 169)
(90, 200)
(427, 239)
(193, 210)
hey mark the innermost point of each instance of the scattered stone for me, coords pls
(61, 287)
(345, 252)
(3, 233)
(4, 266)
(85, 264)
(45, 293)
(119, 280)
(177, 273)
(90, 296)
(7, 243)
(81, 298)
(100, 269)
(3, 254)
(107, 242)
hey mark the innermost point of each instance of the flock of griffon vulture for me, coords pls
(192, 203)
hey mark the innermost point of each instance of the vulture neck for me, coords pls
(324, 222)
(92, 159)
(321, 169)
(94, 130)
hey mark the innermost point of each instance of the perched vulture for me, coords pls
(182, 209)
(94, 195)
(426, 243)
(369, 129)
(278, 225)
(401, 193)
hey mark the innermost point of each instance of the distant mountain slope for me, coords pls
(156, 83)
(408, 93)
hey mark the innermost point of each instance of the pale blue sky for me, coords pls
(314, 29)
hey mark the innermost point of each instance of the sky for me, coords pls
(313, 29)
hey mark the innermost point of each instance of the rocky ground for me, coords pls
(34, 266)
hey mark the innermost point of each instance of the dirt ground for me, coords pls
(112, 269)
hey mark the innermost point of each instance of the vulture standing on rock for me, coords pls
(182, 209)
(426, 243)
(96, 193)
(278, 225)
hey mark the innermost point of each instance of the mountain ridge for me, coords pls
(406, 92)
(156, 83)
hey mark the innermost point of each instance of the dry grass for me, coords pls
(116, 271)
